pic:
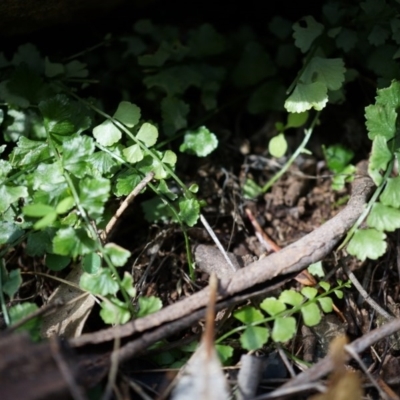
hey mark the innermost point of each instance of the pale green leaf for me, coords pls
(325, 285)
(73, 242)
(307, 96)
(248, 315)
(380, 121)
(291, 297)
(46, 221)
(384, 218)
(133, 154)
(65, 205)
(93, 194)
(224, 352)
(367, 243)
(379, 159)
(127, 113)
(10, 194)
(277, 146)
(251, 190)
(189, 211)
(326, 304)
(311, 314)
(254, 337)
(22, 310)
(169, 158)
(128, 284)
(200, 142)
(391, 194)
(296, 120)
(309, 292)
(114, 311)
(118, 255)
(316, 269)
(101, 283)
(37, 210)
(148, 305)
(107, 133)
(148, 134)
(284, 329)
(273, 306)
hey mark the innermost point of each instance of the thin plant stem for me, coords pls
(2, 299)
(299, 150)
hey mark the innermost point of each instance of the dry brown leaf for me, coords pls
(343, 384)
(69, 318)
(202, 377)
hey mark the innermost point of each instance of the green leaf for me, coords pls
(73, 242)
(254, 337)
(102, 283)
(148, 134)
(284, 329)
(296, 120)
(37, 210)
(148, 305)
(46, 221)
(133, 154)
(200, 142)
(164, 189)
(391, 194)
(307, 96)
(248, 315)
(378, 35)
(316, 269)
(169, 158)
(347, 39)
(128, 284)
(65, 205)
(189, 211)
(174, 114)
(128, 113)
(379, 159)
(251, 190)
(156, 210)
(367, 243)
(63, 116)
(224, 352)
(337, 157)
(254, 66)
(384, 218)
(330, 72)
(291, 297)
(380, 121)
(91, 263)
(114, 311)
(11, 194)
(309, 292)
(305, 36)
(29, 151)
(277, 146)
(390, 96)
(102, 163)
(280, 27)
(205, 41)
(339, 294)
(22, 310)
(56, 262)
(12, 283)
(93, 193)
(76, 69)
(311, 314)
(9, 232)
(326, 304)
(76, 151)
(126, 182)
(107, 133)
(325, 285)
(273, 306)
(118, 255)
(39, 243)
(346, 175)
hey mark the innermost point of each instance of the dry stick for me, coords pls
(326, 365)
(293, 258)
(365, 295)
(125, 204)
